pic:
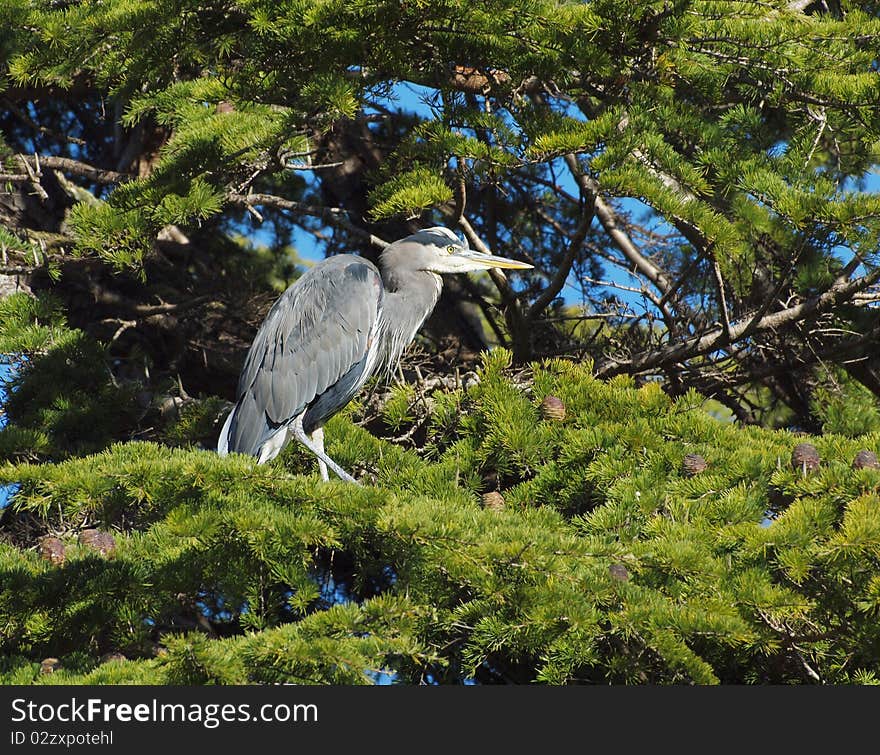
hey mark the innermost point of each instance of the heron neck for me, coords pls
(409, 298)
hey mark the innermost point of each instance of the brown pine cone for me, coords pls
(618, 572)
(103, 542)
(805, 458)
(52, 549)
(112, 656)
(493, 500)
(49, 665)
(553, 408)
(866, 459)
(475, 80)
(693, 464)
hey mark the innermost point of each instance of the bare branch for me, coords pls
(660, 302)
(608, 218)
(34, 175)
(615, 285)
(610, 222)
(331, 215)
(107, 296)
(321, 166)
(565, 265)
(460, 195)
(717, 338)
(25, 118)
(68, 165)
(722, 297)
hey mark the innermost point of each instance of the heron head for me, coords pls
(439, 250)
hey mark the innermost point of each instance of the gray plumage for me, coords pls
(340, 323)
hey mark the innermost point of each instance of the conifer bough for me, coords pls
(689, 180)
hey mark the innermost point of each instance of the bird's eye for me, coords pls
(450, 249)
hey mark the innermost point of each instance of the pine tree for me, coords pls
(618, 492)
(605, 561)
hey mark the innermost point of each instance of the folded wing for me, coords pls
(314, 350)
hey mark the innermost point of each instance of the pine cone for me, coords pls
(693, 464)
(618, 572)
(52, 549)
(553, 408)
(49, 665)
(866, 459)
(476, 81)
(112, 656)
(805, 458)
(103, 542)
(493, 500)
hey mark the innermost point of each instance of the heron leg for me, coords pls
(301, 436)
(317, 437)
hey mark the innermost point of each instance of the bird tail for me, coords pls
(223, 441)
(245, 433)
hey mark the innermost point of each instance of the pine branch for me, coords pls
(331, 215)
(718, 337)
(69, 165)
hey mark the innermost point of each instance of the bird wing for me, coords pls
(317, 334)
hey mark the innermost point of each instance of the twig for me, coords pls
(68, 165)
(253, 211)
(716, 338)
(332, 215)
(124, 325)
(722, 298)
(321, 166)
(34, 177)
(574, 246)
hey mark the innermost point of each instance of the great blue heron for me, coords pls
(337, 325)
